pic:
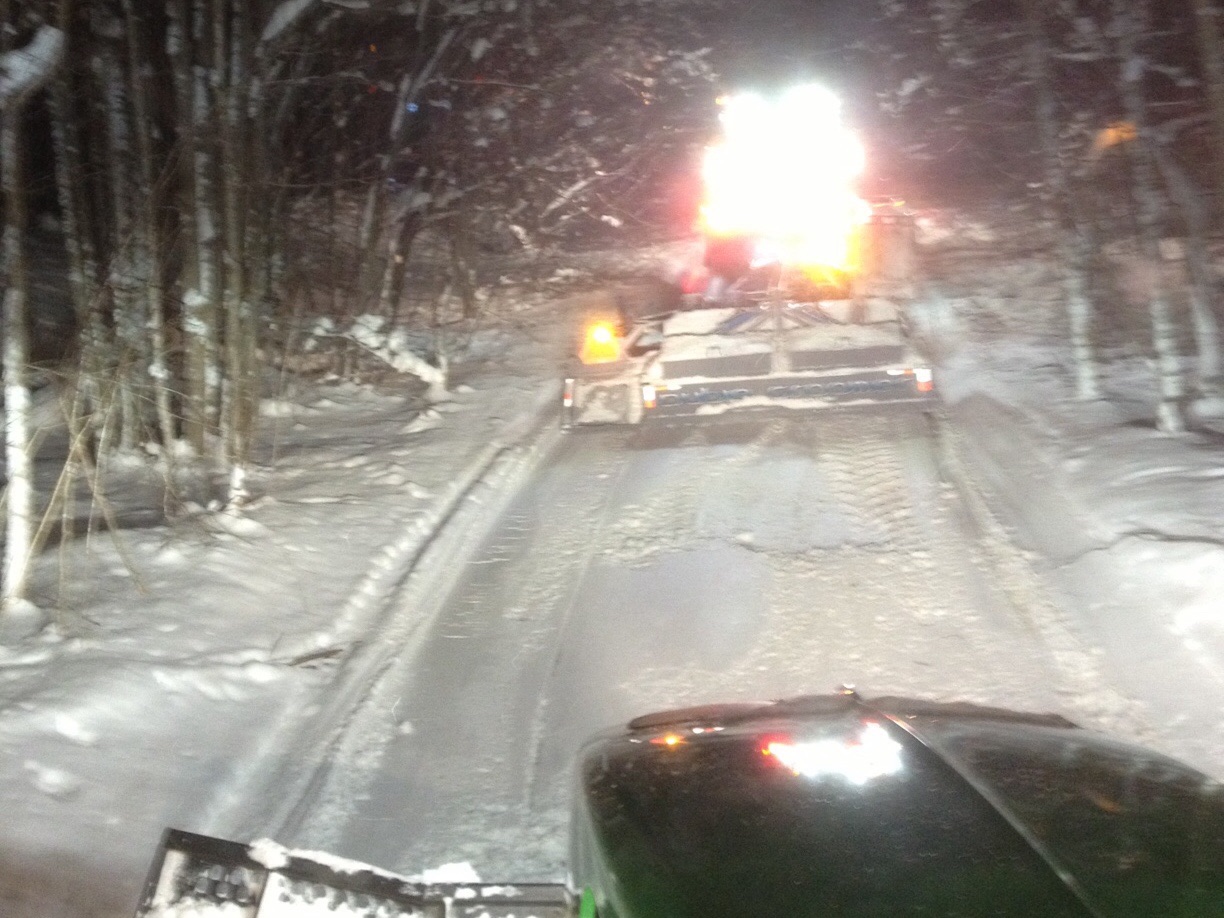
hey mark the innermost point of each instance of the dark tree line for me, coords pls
(210, 155)
(1108, 114)
(222, 166)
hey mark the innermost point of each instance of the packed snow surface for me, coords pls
(393, 653)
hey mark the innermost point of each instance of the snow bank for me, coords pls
(1129, 522)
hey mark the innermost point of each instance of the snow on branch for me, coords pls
(26, 70)
(287, 14)
(392, 347)
(283, 17)
(566, 195)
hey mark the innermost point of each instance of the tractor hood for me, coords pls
(838, 806)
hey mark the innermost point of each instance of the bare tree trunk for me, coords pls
(1129, 22)
(399, 241)
(461, 268)
(35, 64)
(241, 375)
(1070, 238)
(1211, 59)
(19, 531)
(82, 266)
(202, 305)
(1203, 288)
(182, 42)
(126, 275)
(147, 238)
(70, 186)
(376, 236)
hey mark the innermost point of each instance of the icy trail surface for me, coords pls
(662, 567)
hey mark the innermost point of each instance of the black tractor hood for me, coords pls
(838, 806)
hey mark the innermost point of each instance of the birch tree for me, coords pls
(1070, 233)
(186, 134)
(1202, 288)
(1103, 152)
(23, 72)
(181, 171)
(991, 80)
(147, 242)
(1129, 23)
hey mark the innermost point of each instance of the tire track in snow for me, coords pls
(872, 580)
(497, 772)
(539, 720)
(866, 477)
(291, 786)
(899, 612)
(897, 605)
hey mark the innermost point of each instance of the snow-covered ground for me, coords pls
(188, 657)
(1127, 523)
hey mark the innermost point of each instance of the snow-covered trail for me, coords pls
(653, 568)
